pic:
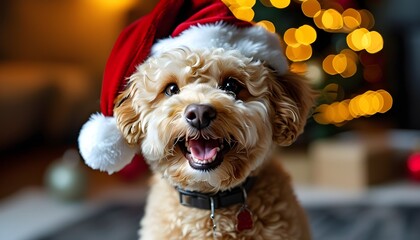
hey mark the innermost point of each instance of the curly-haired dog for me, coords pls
(206, 110)
(207, 121)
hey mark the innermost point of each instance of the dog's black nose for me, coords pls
(200, 115)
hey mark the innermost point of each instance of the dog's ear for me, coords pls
(127, 118)
(292, 99)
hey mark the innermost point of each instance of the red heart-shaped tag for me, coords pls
(244, 220)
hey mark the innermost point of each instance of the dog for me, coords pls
(205, 99)
(207, 122)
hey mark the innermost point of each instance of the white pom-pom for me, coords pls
(102, 145)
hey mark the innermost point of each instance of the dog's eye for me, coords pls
(231, 85)
(171, 89)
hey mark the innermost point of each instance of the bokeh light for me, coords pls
(267, 25)
(290, 37)
(299, 53)
(363, 39)
(354, 42)
(243, 13)
(368, 21)
(305, 35)
(351, 18)
(310, 8)
(241, 9)
(331, 19)
(364, 105)
(280, 3)
(343, 63)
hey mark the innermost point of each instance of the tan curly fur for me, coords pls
(269, 110)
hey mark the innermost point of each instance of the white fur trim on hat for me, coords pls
(254, 41)
(102, 145)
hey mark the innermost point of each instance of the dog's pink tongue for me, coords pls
(202, 149)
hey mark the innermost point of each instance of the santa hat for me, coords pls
(198, 24)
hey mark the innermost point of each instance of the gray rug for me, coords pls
(359, 222)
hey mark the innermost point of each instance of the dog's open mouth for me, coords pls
(204, 154)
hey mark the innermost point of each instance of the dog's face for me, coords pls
(207, 119)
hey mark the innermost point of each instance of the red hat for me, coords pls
(172, 23)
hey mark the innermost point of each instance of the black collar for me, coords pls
(220, 199)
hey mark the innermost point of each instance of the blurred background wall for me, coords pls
(52, 55)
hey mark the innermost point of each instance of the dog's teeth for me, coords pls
(217, 149)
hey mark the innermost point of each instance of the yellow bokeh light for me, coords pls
(377, 102)
(229, 3)
(269, 26)
(243, 13)
(337, 112)
(289, 37)
(376, 42)
(350, 42)
(343, 63)
(364, 104)
(351, 68)
(332, 20)
(310, 8)
(330, 114)
(280, 3)
(318, 19)
(351, 18)
(368, 21)
(339, 63)
(246, 3)
(361, 39)
(366, 40)
(358, 39)
(350, 54)
(387, 98)
(305, 35)
(354, 107)
(328, 66)
(299, 53)
(319, 114)
(343, 110)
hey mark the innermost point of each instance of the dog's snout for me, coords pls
(200, 115)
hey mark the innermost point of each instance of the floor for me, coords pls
(388, 212)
